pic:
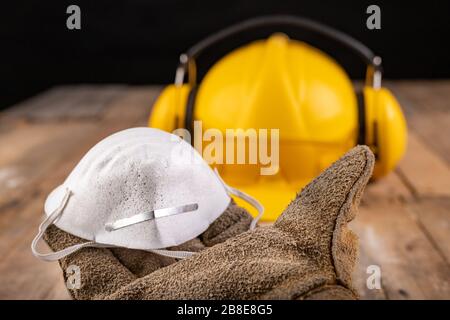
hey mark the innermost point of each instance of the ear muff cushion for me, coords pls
(386, 129)
(169, 109)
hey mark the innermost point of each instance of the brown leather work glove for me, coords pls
(308, 253)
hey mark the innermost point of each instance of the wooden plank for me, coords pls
(411, 268)
(424, 171)
(434, 215)
(46, 99)
(22, 275)
(28, 162)
(390, 188)
(427, 108)
(59, 291)
(426, 95)
(10, 122)
(136, 103)
(68, 102)
(17, 278)
(360, 276)
(24, 138)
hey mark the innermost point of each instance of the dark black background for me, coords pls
(138, 41)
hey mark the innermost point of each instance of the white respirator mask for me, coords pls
(141, 188)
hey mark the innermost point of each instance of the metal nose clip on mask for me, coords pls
(140, 188)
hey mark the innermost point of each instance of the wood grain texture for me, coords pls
(423, 170)
(403, 222)
(411, 267)
(433, 215)
(86, 102)
(427, 107)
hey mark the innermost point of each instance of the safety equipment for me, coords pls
(140, 188)
(289, 85)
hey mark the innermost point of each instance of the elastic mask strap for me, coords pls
(246, 197)
(53, 256)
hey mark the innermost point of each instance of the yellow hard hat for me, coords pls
(285, 84)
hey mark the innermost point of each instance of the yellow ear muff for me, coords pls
(291, 86)
(169, 109)
(386, 131)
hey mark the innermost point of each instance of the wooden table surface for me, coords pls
(403, 222)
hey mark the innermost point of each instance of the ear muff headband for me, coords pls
(301, 23)
(188, 59)
(361, 117)
(189, 117)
